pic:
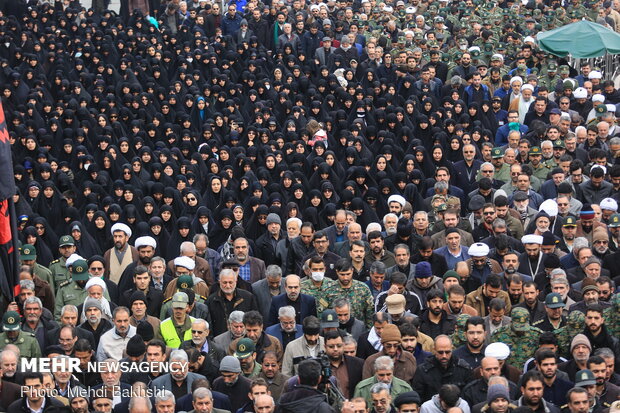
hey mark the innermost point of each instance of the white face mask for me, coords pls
(318, 276)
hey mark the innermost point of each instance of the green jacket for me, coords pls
(26, 342)
(363, 388)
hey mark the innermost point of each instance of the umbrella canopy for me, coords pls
(582, 39)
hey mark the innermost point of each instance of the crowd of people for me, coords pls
(341, 206)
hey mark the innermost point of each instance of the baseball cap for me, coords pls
(497, 153)
(245, 348)
(27, 252)
(614, 221)
(180, 300)
(66, 240)
(79, 271)
(329, 319)
(570, 221)
(10, 321)
(520, 319)
(554, 300)
(584, 377)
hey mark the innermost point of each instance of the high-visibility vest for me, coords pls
(169, 333)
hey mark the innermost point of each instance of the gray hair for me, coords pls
(349, 339)
(352, 215)
(499, 223)
(373, 226)
(389, 215)
(295, 220)
(605, 352)
(579, 243)
(26, 284)
(546, 143)
(8, 352)
(377, 267)
(378, 388)
(498, 380)
(614, 141)
(384, 363)
(201, 393)
(236, 317)
(341, 302)
(273, 271)
(421, 213)
(200, 237)
(69, 308)
(487, 164)
(178, 355)
(226, 271)
(158, 258)
(33, 300)
(187, 246)
(287, 311)
(164, 396)
(136, 400)
(201, 321)
(559, 280)
(441, 186)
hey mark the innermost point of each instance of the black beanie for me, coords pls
(137, 296)
(135, 346)
(145, 330)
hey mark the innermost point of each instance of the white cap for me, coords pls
(479, 249)
(604, 168)
(388, 9)
(73, 258)
(597, 97)
(529, 39)
(550, 207)
(397, 198)
(145, 242)
(532, 239)
(580, 93)
(474, 49)
(609, 204)
(185, 262)
(497, 350)
(410, 10)
(595, 74)
(528, 87)
(498, 56)
(121, 227)
(611, 108)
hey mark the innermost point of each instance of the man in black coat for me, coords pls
(441, 368)
(303, 304)
(350, 367)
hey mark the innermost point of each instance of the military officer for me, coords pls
(535, 157)
(58, 268)
(73, 292)
(12, 334)
(520, 336)
(28, 256)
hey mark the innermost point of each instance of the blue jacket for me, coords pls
(307, 307)
(501, 136)
(469, 92)
(276, 331)
(230, 27)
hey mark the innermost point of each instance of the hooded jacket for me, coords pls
(304, 399)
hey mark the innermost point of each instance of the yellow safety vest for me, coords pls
(169, 333)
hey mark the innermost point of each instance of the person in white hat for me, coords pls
(531, 262)
(396, 203)
(146, 247)
(121, 255)
(609, 206)
(480, 263)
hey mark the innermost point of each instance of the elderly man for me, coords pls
(179, 380)
(287, 329)
(384, 374)
(232, 383)
(227, 299)
(35, 323)
(95, 322)
(235, 330)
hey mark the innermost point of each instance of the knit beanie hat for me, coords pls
(497, 391)
(390, 333)
(145, 330)
(137, 296)
(580, 339)
(423, 270)
(91, 302)
(135, 346)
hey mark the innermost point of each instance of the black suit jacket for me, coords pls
(52, 336)
(307, 307)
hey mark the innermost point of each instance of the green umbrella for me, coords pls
(582, 39)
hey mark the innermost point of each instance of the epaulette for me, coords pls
(167, 299)
(64, 283)
(203, 297)
(538, 321)
(54, 262)
(564, 406)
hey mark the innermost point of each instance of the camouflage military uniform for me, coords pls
(359, 296)
(319, 293)
(574, 325)
(458, 337)
(612, 316)
(520, 336)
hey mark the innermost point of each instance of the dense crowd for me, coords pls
(292, 206)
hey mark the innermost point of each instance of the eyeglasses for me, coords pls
(489, 213)
(487, 172)
(191, 199)
(197, 332)
(96, 268)
(443, 351)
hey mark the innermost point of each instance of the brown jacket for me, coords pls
(426, 342)
(405, 365)
(265, 343)
(202, 270)
(475, 299)
(43, 291)
(199, 288)
(467, 309)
